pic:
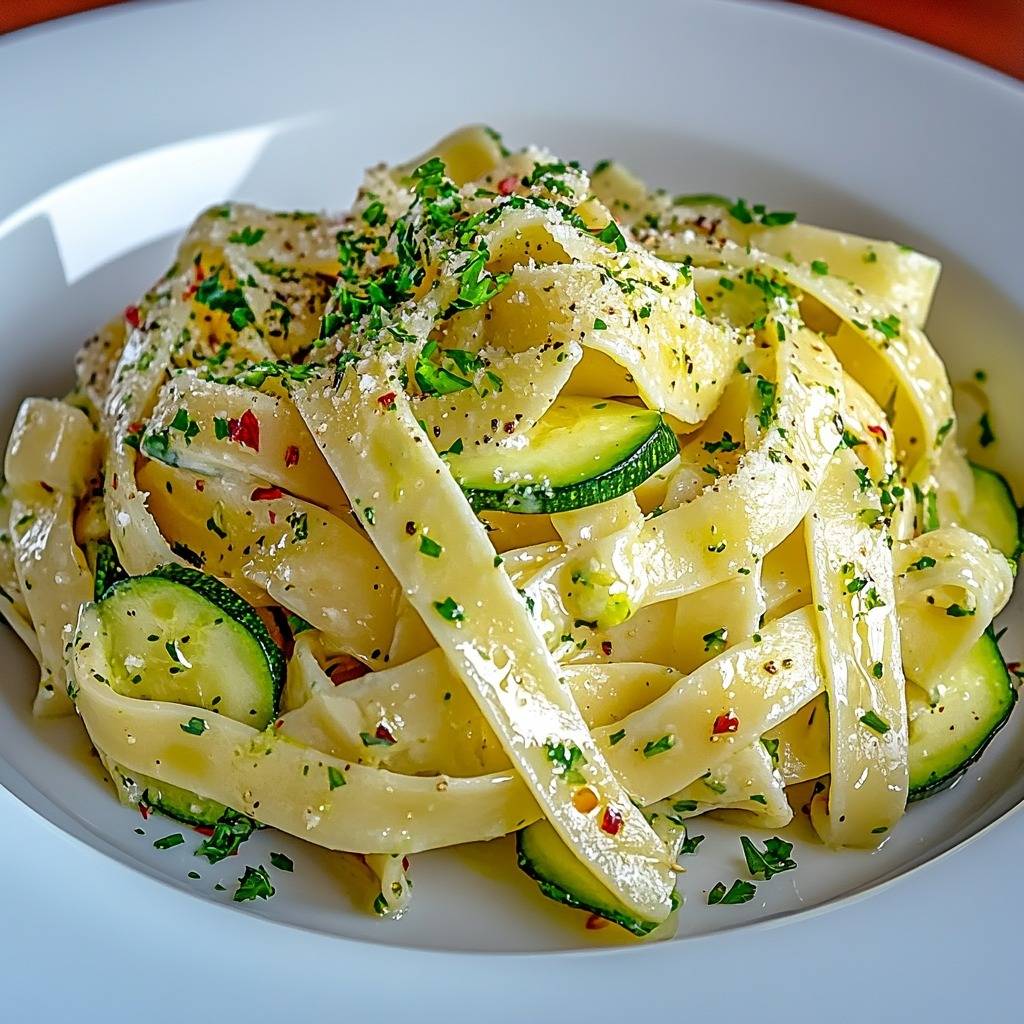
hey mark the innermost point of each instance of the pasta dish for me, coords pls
(518, 500)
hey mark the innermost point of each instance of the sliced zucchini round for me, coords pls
(947, 737)
(995, 515)
(179, 635)
(561, 877)
(582, 452)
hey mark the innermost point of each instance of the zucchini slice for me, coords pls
(580, 453)
(179, 635)
(995, 515)
(947, 737)
(562, 878)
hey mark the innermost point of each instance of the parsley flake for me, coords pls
(254, 884)
(738, 892)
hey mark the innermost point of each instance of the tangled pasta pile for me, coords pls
(516, 500)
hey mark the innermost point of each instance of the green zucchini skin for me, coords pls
(576, 475)
(107, 568)
(948, 737)
(182, 805)
(543, 856)
(995, 515)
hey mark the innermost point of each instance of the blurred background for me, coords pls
(989, 31)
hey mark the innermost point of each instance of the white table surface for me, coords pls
(942, 944)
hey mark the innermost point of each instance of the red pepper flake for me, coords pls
(291, 455)
(279, 723)
(144, 811)
(387, 401)
(131, 314)
(273, 516)
(203, 830)
(606, 648)
(382, 732)
(878, 431)
(266, 494)
(595, 922)
(200, 273)
(245, 430)
(405, 863)
(136, 427)
(346, 669)
(509, 427)
(200, 485)
(611, 820)
(724, 724)
(507, 185)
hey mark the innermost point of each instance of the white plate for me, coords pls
(130, 121)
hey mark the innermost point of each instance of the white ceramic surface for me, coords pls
(120, 125)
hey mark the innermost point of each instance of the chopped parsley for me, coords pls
(819, 267)
(773, 860)
(889, 327)
(690, 844)
(436, 380)
(738, 892)
(715, 640)
(231, 301)
(380, 738)
(567, 759)
(430, 547)
(449, 609)
(987, 437)
(282, 862)
(872, 721)
(748, 214)
(766, 392)
(610, 234)
(194, 726)
(335, 776)
(228, 835)
(659, 746)
(168, 842)
(254, 884)
(958, 611)
(724, 444)
(247, 236)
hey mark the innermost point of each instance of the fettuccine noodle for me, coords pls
(554, 503)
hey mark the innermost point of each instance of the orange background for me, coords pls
(990, 31)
